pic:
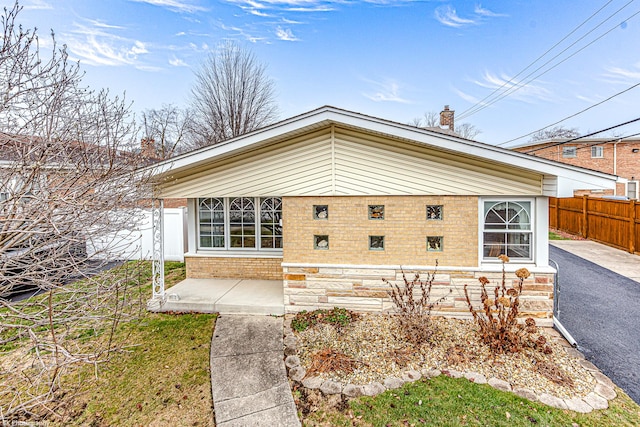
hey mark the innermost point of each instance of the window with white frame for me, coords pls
(240, 223)
(597, 152)
(633, 189)
(568, 152)
(507, 229)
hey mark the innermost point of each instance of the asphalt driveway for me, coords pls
(601, 310)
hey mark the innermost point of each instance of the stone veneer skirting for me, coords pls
(205, 267)
(360, 288)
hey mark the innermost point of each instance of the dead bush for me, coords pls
(413, 305)
(330, 360)
(498, 316)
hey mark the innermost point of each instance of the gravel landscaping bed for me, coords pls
(376, 351)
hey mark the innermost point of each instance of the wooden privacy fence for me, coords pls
(612, 222)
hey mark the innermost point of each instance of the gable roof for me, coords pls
(425, 161)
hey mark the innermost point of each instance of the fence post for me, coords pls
(632, 226)
(585, 217)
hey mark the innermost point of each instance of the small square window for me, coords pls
(320, 212)
(376, 243)
(597, 152)
(434, 212)
(568, 152)
(321, 241)
(376, 211)
(434, 243)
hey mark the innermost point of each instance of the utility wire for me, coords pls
(585, 136)
(572, 115)
(511, 80)
(524, 83)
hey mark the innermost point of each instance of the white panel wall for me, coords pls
(136, 243)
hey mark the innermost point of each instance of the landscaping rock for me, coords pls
(499, 384)
(605, 391)
(602, 378)
(373, 389)
(578, 405)
(588, 365)
(393, 383)
(525, 393)
(297, 373)
(574, 353)
(312, 383)
(290, 351)
(552, 401)
(431, 373)
(596, 401)
(411, 375)
(292, 361)
(453, 374)
(290, 341)
(331, 387)
(475, 377)
(287, 322)
(351, 390)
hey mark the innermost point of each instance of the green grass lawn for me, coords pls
(444, 401)
(159, 376)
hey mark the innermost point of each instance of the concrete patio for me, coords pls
(224, 296)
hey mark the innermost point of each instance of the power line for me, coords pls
(572, 115)
(536, 60)
(584, 136)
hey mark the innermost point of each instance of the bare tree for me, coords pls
(165, 131)
(68, 180)
(232, 95)
(554, 132)
(431, 119)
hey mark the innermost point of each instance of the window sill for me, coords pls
(233, 254)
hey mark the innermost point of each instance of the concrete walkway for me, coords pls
(224, 296)
(248, 377)
(616, 260)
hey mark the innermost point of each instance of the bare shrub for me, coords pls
(498, 317)
(330, 360)
(413, 304)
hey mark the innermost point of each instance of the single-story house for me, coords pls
(332, 201)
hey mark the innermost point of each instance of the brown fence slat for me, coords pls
(612, 222)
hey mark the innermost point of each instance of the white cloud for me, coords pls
(37, 5)
(175, 5)
(622, 75)
(177, 62)
(481, 11)
(93, 45)
(285, 34)
(467, 97)
(387, 91)
(522, 91)
(448, 16)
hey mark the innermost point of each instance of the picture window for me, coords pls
(569, 152)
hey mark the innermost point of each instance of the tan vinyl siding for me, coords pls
(299, 167)
(337, 161)
(367, 164)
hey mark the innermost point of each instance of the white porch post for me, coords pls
(157, 230)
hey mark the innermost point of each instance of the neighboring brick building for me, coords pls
(332, 201)
(620, 157)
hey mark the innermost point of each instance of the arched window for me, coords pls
(507, 229)
(211, 222)
(242, 223)
(271, 222)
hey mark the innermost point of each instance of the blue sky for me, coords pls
(390, 59)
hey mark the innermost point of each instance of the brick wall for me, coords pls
(627, 162)
(241, 268)
(362, 289)
(404, 227)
